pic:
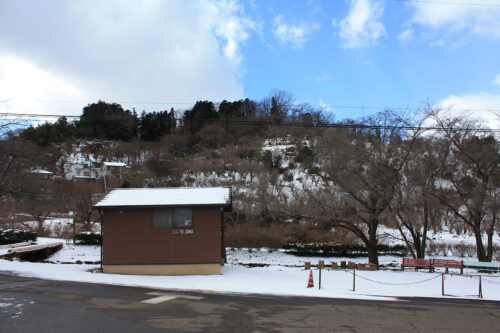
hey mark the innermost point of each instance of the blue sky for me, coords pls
(387, 71)
(55, 57)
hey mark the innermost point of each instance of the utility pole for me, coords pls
(104, 178)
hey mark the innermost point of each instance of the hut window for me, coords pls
(162, 218)
(183, 217)
(172, 217)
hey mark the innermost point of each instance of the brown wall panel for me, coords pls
(129, 238)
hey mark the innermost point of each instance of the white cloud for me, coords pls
(26, 88)
(323, 106)
(149, 50)
(482, 107)
(294, 34)
(470, 18)
(233, 28)
(496, 81)
(406, 35)
(361, 27)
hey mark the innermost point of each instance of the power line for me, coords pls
(322, 106)
(454, 3)
(246, 122)
(340, 125)
(475, 109)
(36, 115)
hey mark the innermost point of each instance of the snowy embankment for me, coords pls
(278, 278)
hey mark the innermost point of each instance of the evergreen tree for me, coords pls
(107, 121)
(48, 133)
(154, 125)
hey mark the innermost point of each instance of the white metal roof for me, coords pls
(167, 196)
(115, 164)
(41, 171)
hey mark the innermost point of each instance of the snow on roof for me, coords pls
(41, 171)
(167, 196)
(116, 164)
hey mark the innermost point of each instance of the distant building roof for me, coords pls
(167, 196)
(115, 164)
(41, 171)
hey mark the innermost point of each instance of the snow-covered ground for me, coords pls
(279, 277)
(393, 237)
(264, 256)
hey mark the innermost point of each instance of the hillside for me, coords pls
(296, 177)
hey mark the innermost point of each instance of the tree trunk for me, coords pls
(371, 246)
(424, 244)
(481, 255)
(372, 253)
(425, 227)
(400, 228)
(418, 245)
(489, 253)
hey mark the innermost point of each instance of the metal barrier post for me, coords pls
(319, 284)
(480, 288)
(321, 264)
(442, 284)
(354, 281)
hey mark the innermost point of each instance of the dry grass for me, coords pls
(276, 235)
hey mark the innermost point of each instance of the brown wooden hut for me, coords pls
(171, 231)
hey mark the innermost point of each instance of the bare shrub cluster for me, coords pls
(461, 249)
(276, 235)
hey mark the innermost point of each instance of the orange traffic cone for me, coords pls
(310, 284)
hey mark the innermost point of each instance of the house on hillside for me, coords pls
(81, 170)
(87, 172)
(71, 169)
(170, 231)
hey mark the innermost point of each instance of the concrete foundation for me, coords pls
(178, 269)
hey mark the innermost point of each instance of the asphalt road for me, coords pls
(33, 305)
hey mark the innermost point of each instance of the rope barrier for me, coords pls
(395, 284)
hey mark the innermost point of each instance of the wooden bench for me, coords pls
(482, 266)
(416, 263)
(448, 263)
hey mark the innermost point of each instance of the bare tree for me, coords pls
(39, 209)
(39, 199)
(9, 125)
(414, 208)
(82, 198)
(276, 105)
(470, 181)
(17, 158)
(361, 170)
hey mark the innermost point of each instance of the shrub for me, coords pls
(277, 235)
(463, 250)
(63, 230)
(248, 235)
(88, 238)
(11, 236)
(341, 250)
(305, 155)
(288, 177)
(460, 249)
